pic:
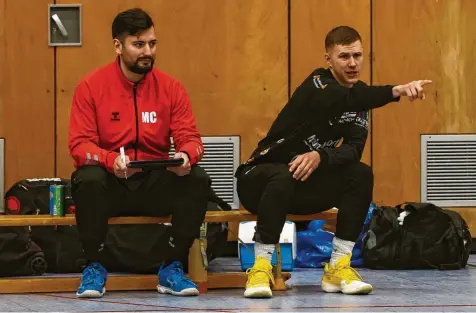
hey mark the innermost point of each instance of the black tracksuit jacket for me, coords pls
(318, 116)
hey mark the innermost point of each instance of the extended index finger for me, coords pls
(425, 82)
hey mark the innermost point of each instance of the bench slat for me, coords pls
(211, 217)
(115, 282)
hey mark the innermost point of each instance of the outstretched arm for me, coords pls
(325, 97)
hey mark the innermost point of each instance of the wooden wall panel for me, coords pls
(311, 20)
(2, 66)
(26, 90)
(230, 55)
(420, 40)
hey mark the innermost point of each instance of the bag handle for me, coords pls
(414, 206)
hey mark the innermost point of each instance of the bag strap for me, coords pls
(450, 266)
(456, 222)
(213, 197)
(460, 231)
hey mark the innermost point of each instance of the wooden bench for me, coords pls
(196, 269)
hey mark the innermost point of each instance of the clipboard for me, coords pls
(156, 164)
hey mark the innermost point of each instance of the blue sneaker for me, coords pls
(93, 281)
(173, 280)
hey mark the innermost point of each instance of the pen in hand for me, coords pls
(123, 158)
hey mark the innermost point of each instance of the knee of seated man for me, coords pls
(361, 171)
(284, 178)
(281, 184)
(279, 181)
(199, 177)
(198, 184)
(90, 175)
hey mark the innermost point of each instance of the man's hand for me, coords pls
(304, 165)
(183, 169)
(121, 169)
(413, 90)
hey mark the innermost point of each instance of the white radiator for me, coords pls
(448, 170)
(220, 161)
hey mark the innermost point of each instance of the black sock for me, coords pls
(93, 252)
(177, 250)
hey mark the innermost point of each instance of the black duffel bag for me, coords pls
(428, 237)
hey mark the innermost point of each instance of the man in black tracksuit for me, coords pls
(301, 168)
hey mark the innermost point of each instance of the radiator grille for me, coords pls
(220, 161)
(448, 170)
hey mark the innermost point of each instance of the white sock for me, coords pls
(264, 250)
(341, 248)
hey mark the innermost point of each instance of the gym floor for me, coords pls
(394, 291)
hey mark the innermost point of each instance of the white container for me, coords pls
(287, 242)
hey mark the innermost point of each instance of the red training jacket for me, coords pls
(109, 111)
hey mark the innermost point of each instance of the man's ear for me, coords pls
(328, 59)
(117, 46)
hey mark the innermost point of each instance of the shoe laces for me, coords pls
(343, 271)
(177, 271)
(91, 274)
(259, 274)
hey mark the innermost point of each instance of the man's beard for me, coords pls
(136, 68)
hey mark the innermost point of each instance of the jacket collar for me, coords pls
(325, 72)
(123, 79)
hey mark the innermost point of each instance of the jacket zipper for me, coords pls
(137, 122)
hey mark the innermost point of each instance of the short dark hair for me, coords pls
(130, 22)
(341, 35)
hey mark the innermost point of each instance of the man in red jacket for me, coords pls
(131, 104)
